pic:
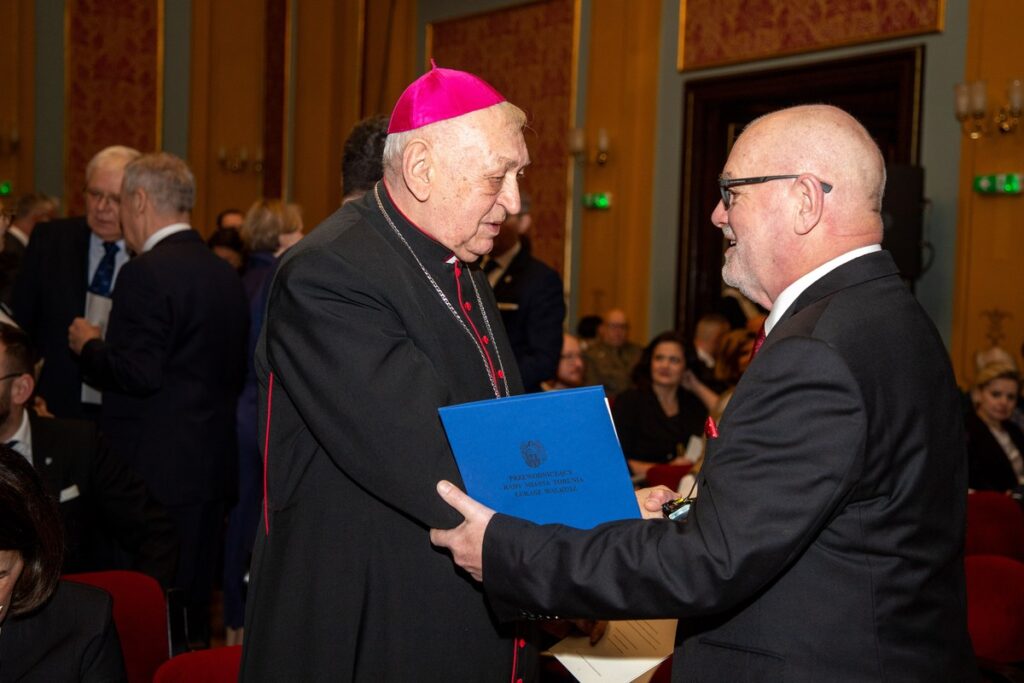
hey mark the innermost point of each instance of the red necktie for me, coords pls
(758, 340)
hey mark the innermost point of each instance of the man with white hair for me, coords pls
(827, 541)
(69, 270)
(171, 367)
(375, 320)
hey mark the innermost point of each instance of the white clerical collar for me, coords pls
(15, 232)
(163, 232)
(23, 437)
(790, 294)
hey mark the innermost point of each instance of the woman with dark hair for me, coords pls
(50, 630)
(657, 416)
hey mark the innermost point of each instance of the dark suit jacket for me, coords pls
(827, 540)
(103, 503)
(71, 638)
(171, 368)
(532, 305)
(10, 263)
(988, 467)
(48, 295)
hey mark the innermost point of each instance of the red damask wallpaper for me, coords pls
(717, 32)
(112, 83)
(527, 54)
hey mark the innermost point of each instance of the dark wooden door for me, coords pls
(882, 90)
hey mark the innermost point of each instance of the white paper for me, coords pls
(97, 312)
(628, 651)
(694, 448)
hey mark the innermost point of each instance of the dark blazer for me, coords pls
(103, 503)
(532, 304)
(171, 368)
(71, 638)
(827, 540)
(988, 467)
(346, 586)
(10, 263)
(647, 433)
(48, 295)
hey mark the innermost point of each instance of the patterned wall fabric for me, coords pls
(112, 77)
(526, 53)
(727, 31)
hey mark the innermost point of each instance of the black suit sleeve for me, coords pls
(789, 451)
(102, 660)
(539, 360)
(133, 517)
(139, 331)
(27, 287)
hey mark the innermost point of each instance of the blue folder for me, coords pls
(551, 457)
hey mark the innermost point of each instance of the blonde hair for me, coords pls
(993, 371)
(265, 222)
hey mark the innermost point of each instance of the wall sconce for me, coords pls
(971, 108)
(578, 145)
(603, 144)
(10, 143)
(238, 162)
(1009, 116)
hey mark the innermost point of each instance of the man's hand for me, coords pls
(80, 332)
(466, 541)
(651, 500)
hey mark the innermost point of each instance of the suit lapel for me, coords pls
(44, 449)
(80, 277)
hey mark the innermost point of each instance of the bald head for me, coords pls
(614, 328)
(826, 141)
(823, 198)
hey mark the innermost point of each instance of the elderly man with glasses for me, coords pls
(69, 271)
(827, 540)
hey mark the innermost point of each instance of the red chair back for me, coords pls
(995, 525)
(995, 607)
(140, 616)
(219, 665)
(667, 475)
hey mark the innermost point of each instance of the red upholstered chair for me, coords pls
(995, 525)
(667, 475)
(995, 607)
(140, 616)
(219, 665)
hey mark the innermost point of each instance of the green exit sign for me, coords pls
(601, 201)
(1000, 183)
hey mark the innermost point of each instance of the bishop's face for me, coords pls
(477, 182)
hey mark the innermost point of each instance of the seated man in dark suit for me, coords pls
(530, 298)
(110, 520)
(171, 366)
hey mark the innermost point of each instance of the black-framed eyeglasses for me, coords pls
(10, 375)
(99, 197)
(725, 185)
